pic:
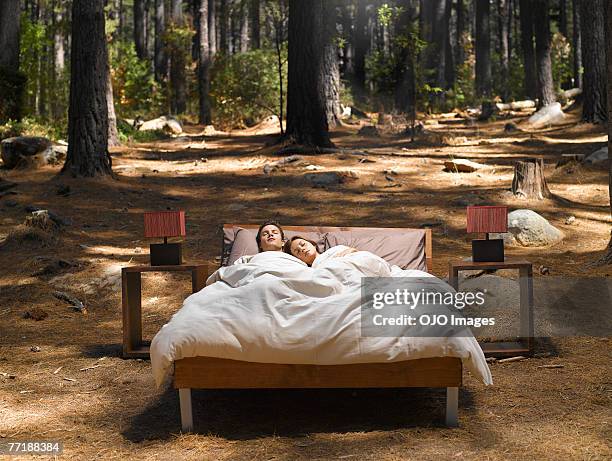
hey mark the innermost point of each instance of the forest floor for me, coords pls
(112, 410)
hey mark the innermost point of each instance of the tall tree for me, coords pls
(224, 27)
(244, 27)
(254, 26)
(531, 89)
(405, 92)
(331, 70)
(503, 7)
(483, 48)
(12, 82)
(113, 133)
(592, 16)
(541, 17)
(461, 31)
(563, 17)
(203, 63)
(307, 119)
(361, 44)
(178, 76)
(212, 27)
(88, 112)
(140, 28)
(577, 42)
(161, 59)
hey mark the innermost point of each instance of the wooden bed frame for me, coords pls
(214, 373)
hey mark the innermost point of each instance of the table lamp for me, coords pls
(485, 219)
(165, 224)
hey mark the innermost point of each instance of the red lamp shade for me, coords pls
(484, 219)
(164, 224)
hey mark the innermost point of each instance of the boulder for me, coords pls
(164, 123)
(599, 156)
(28, 151)
(547, 115)
(527, 228)
(329, 178)
(462, 165)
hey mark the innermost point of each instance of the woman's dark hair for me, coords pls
(268, 223)
(287, 245)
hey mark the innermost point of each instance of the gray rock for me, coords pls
(599, 156)
(26, 151)
(547, 115)
(164, 123)
(527, 228)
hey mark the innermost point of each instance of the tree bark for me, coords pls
(113, 133)
(203, 63)
(607, 259)
(224, 44)
(361, 44)
(139, 28)
(178, 77)
(307, 118)
(9, 34)
(212, 27)
(254, 24)
(594, 107)
(546, 90)
(563, 17)
(504, 48)
(244, 28)
(529, 62)
(529, 181)
(460, 48)
(483, 48)
(577, 42)
(161, 59)
(88, 112)
(405, 93)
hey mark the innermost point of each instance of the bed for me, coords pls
(241, 366)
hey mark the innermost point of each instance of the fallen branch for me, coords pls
(511, 359)
(74, 302)
(90, 368)
(551, 366)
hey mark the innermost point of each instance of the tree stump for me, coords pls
(529, 181)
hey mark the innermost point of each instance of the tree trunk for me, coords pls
(593, 15)
(529, 181)
(139, 28)
(88, 112)
(360, 44)
(483, 49)
(546, 90)
(563, 17)
(244, 28)
(161, 59)
(203, 63)
(212, 27)
(254, 26)
(607, 258)
(405, 92)
(504, 49)
(306, 99)
(224, 44)
(9, 34)
(440, 35)
(113, 133)
(460, 48)
(577, 42)
(529, 63)
(178, 78)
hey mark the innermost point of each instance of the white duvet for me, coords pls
(276, 309)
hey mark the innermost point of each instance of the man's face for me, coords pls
(270, 238)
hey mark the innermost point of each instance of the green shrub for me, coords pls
(12, 86)
(245, 87)
(33, 127)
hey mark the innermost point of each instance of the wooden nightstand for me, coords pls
(524, 344)
(133, 345)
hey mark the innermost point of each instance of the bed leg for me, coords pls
(452, 406)
(186, 410)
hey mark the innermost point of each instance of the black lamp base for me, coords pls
(166, 254)
(488, 250)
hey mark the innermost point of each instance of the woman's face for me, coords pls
(304, 250)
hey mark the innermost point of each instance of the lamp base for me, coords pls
(166, 254)
(488, 250)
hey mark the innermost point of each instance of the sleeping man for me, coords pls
(270, 237)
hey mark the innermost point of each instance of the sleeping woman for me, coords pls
(306, 250)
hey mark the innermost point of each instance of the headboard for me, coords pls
(228, 231)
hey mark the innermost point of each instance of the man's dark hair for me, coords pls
(268, 223)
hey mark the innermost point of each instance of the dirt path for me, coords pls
(113, 410)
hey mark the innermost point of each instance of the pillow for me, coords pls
(244, 242)
(405, 249)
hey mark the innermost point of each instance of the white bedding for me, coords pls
(276, 309)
